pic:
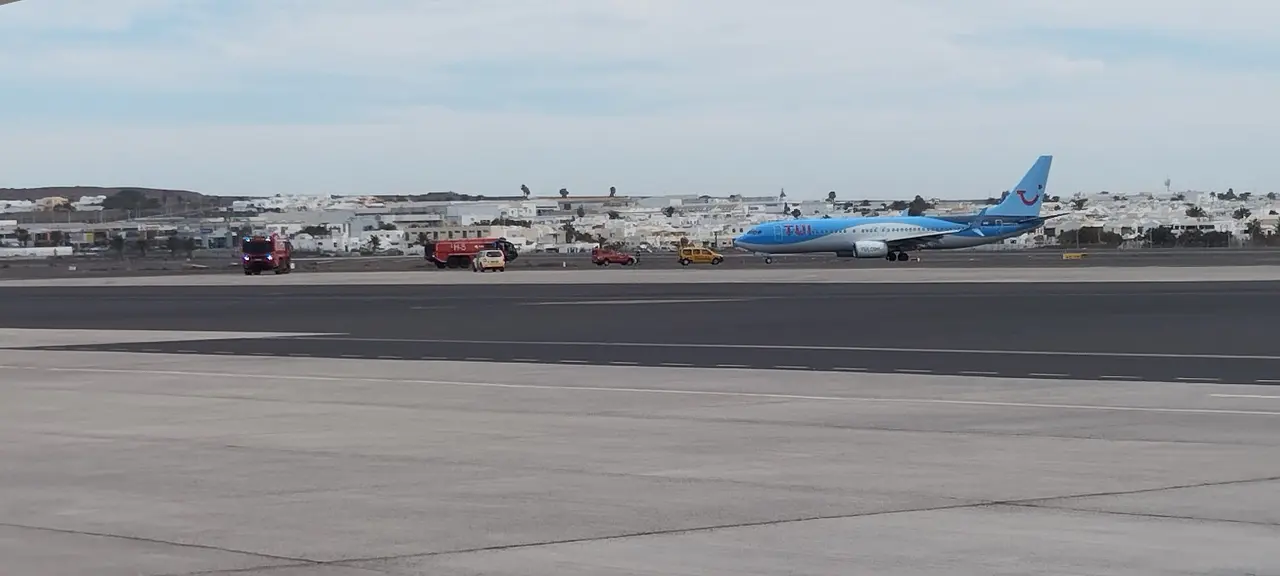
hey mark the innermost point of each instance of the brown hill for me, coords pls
(73, 193)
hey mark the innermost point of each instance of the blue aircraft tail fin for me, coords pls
(1025, 199)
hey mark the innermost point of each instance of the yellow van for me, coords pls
(698, 255)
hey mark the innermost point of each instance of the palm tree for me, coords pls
(564, 192)
(917, 206)
(613, 191)
(831, 197)
(525, 190)
(1254, 230)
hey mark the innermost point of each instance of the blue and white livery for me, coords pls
(891, 237)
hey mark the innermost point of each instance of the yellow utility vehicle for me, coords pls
(698, 255)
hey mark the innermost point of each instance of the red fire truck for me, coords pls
(458, 253)
(260, 253)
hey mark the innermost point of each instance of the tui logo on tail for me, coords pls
(1022, 195)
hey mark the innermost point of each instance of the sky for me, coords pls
(869, 98)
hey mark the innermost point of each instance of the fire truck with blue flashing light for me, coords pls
(459, 253)
(258, 253)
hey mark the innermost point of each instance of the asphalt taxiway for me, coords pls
(124, 463)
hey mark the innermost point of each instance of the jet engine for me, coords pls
(870, 249)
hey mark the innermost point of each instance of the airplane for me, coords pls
(892, 237)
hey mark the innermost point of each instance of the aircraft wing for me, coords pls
(922, 239)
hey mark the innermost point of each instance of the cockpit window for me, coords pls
(754, 231)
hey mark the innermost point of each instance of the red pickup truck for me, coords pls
(605, 257)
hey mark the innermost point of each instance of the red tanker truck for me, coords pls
(458, 253)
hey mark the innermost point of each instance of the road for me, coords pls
(161, 265)
(1200, 332)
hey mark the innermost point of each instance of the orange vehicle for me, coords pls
(699, 255)
(459, 253)
(260, 253)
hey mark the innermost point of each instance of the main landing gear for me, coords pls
(898, 256)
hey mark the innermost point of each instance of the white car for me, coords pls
(485, 260)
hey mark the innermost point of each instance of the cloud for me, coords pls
(867, 97)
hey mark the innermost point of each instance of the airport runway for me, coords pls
(931, 427)
(160, 265)
(1214, 332)
(961, 258)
